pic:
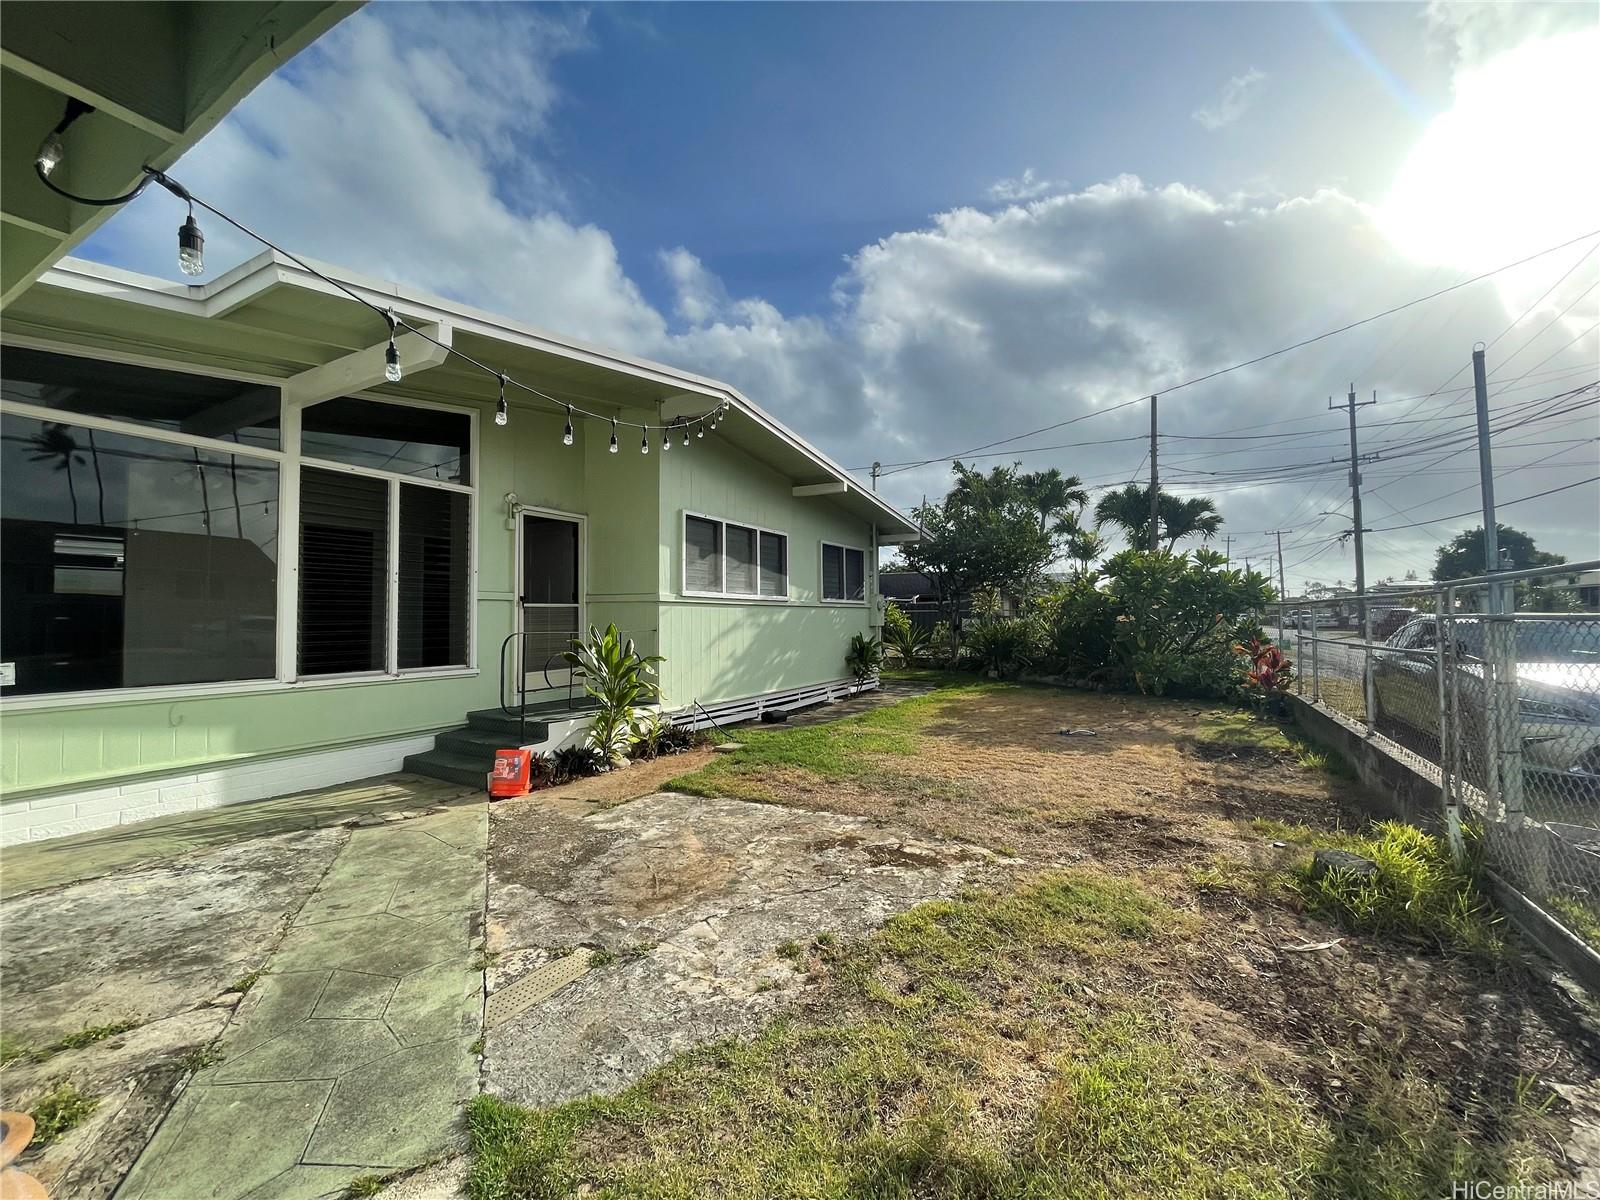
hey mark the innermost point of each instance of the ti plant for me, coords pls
(864, 657)
(620, 680)
(907, 641)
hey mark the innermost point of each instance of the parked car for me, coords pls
(1388, 623)
(1558, 694)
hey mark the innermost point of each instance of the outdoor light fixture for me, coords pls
(613, 435)
(566, 434)
(391, 356)
(191, 247)
(644, 443)
(700, 429)
(685, 435)
(502, 413)
(52, 150)
(666, 440)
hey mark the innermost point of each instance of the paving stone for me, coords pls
(402, 1110)
(355, 994)
(311, 1050)
(221, 1143)
(307, 1183)
(439, 1001)
(275, 1003)
(379, 945)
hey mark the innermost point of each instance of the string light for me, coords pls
(191, 260)
(391, 356)
(685, 435)
(666, 440)
(191, 247)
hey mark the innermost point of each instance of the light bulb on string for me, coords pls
(391, 356)
(191, 247)
(666, 441)
(700, 429)
(566, 436)
(502, 413)
(644, 442)
(685, 435)
(613, 435)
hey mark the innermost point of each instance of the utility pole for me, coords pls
(1227, 539)
(1499, 634)
(1278, 533)
(877, 467)
(1155, 485)
(1362, 615)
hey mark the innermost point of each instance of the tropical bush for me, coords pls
(620, 680)
(1005, 645)
(864, 657)
(1162, 623)
(904, 638)
(574, 762)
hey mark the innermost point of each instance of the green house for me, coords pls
(239, 562)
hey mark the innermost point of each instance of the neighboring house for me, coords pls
(918, 597)
(237, 563)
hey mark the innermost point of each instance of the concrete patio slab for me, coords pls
(356, 1047)
(695, 896)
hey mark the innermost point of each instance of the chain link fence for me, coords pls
(1492, 687)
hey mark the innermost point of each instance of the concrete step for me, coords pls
(495, 723)
(478, 743)
(467, 770)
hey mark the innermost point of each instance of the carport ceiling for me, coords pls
(159, 75)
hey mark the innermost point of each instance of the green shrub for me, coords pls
(1004, 645)
(59, 1112)
(864, 657)
(1419, 893)
(619, 679)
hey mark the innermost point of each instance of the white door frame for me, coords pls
(557, 678)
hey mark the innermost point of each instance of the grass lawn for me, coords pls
(1128, 1004)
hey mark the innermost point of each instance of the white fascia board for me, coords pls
(837, 487)
(270, 268)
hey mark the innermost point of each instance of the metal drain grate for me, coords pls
(535, 987)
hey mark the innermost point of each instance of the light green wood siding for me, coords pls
(726, 649)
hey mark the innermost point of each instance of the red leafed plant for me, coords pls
(1270, 670)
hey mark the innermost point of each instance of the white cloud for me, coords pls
(1470, 34)
(1027, 186)
(976, 326)
(1236, 97)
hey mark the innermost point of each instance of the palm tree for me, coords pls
(1129, 507)
(1083, 547)
(56, 444)
(1056, 497)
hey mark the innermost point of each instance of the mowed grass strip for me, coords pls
(861, 749)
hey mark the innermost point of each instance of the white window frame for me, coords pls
(288, 640)
(722, 560)
(866, 581)
(288, 460)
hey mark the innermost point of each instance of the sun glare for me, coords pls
(1512, 167)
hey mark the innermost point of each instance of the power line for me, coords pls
(1260, 358)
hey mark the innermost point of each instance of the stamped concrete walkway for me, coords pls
(354, 1051)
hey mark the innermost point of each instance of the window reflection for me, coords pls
(129, 562)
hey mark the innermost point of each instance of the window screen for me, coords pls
(428, 443)
(702, 555)
(432, 577)
(774, 564)
(832, 572)
(740, 578)
(344, 553)
(855, 579)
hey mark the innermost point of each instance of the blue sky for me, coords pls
(775, 139)
(910, 229)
